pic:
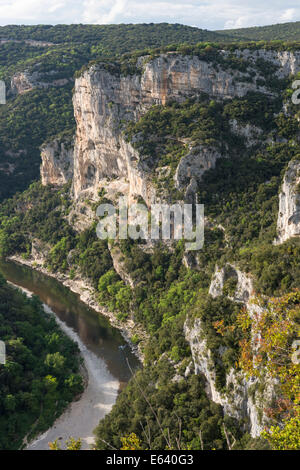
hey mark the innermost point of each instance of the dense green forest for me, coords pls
(146, 35)
(235, 193)
(277, 32)
(30, 119)
(241, 203)
(26, 123)
(66, 50)
(41, 373)
(115, 38)
(165, 291)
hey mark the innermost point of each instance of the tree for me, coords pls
(268, 349)
(286, 438)
(71, 444)
(131, 442)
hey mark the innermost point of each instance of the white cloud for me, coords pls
(240, 22)
(209, 14)
(288, 15)
(103, 12)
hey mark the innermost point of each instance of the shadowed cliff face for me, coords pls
(58, 160)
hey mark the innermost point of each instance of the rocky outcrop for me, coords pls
(57, 162)
(232, 282)
(30, 42)
(39, 251)
(287, 62)
(118, 262)
(243, 399)
(176, 77)
(104, 101)
(288, 223)
(25, 81)
(102, 155)
(251, 133)
(193, 165)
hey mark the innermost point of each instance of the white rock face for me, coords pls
(57, 163)
(288, 223)
(25, 81)
(250, 132)
(194, 165)
(104, 102)
(244, 283)
(31, 42)
(288, 62)
(118, 263)
(101, 102)
(39, 251)
(242, 397)
(172, 76)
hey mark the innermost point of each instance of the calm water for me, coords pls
(93, 329)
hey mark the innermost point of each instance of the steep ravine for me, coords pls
(87, 294)
(104, 102)
(104, 353)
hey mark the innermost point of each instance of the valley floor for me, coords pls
(82, 416)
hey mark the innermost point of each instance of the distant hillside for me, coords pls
(122, 38)
(282, 32)
(114, 38)
(60, 51)
(51, 56)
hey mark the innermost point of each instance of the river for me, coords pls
(102, 347)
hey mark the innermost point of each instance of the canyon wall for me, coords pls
(105, 101)
(288, 223)
(57, 162)
(25, 81)
(242, 398)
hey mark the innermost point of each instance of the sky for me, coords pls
(207, 14)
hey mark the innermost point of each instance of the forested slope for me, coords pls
(221, 130)
(41, 373)
(277, 32)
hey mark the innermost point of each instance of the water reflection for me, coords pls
(93, 329)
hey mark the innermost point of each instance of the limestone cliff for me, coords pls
(288, 223)
(240, 285)
(25, 81)
(243, 399)
(105, 101)
(194, 165)
(57, 162)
